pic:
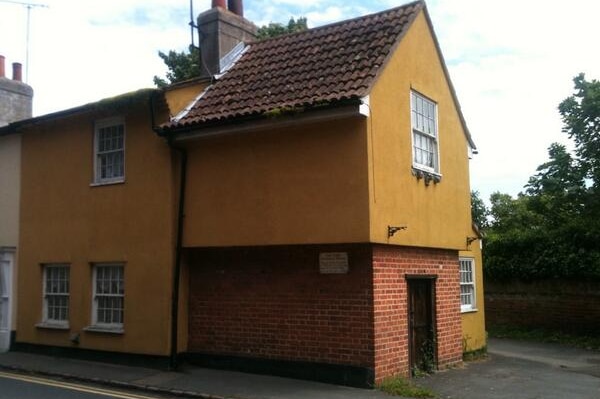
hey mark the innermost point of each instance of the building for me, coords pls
(303, 211)
(15, 104)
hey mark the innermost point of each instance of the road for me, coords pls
(28, 387)
(522, 370)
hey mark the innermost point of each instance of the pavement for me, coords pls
(188, 381)
(513, 370)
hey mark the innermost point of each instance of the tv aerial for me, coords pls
(29, 6)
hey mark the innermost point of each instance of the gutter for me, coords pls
(274, 119)
(173, 364)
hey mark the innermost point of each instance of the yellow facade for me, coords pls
(473, 323)
(337, 181)
(304, 185)
(67, 219)
(437, 215)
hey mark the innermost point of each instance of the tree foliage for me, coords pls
(186, 65)
(277, 29)
(181, 66)
(552, 229)
(479, 212)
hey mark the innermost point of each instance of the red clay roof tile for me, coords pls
(322, 65)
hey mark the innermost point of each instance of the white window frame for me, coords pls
(115, 292)
(467, 283)
(427, 130)
(62, 291)
(99, 126)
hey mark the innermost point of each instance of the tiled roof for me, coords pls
(319, 66)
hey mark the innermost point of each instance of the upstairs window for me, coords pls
(56, 295)
(109, 151)
(424, 133)
(467, 284)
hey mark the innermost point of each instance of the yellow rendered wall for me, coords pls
(473, 323)
(66, 220)
(181, 95)
(306, 184)
(437, 215)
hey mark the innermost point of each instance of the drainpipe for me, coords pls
(173, 364)
(178, 251)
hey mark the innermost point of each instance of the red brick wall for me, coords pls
(273, 303)
(554, 304)
(391, 266)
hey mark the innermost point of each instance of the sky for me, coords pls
(511, 61)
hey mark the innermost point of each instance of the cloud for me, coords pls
(511, 61)
(329, 15)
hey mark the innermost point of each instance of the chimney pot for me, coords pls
(236, 7)
(219, 3)
(2, 73)
(17, 71)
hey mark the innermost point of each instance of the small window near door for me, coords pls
(467, 284)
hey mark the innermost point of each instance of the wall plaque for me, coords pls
(333, 262)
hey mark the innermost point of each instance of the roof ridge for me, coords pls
(325, 65)
(338, 23)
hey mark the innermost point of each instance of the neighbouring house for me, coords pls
(15, 104)
(303, 209)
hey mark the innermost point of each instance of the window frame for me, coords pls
(96, 325)
(415, 131)
(472, 307)
(98, 126)
(47, 320)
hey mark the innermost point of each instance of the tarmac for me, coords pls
(512, 370)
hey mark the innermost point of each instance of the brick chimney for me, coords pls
(236, 7)
(16, 97)
(221, 29)
(17, 71)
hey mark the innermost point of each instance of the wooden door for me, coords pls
(421, 324)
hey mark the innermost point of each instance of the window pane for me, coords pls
(423, 119)
(109, 295)
(110, 152)
(56, 293)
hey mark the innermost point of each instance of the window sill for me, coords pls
(428, 176)
(53, 326)
(107, 183)
(105, 330)
(469, 310)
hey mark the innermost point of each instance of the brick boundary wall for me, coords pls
(561, 305)
(391, 266)
(273, 303)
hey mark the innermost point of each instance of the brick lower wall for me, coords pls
(273, 303)
(391, 266)
(561, 305)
